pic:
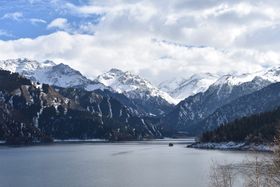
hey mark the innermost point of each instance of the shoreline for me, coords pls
(77, 141)
(234, 146)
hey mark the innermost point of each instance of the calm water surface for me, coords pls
(133, 164)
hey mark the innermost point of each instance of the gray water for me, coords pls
(133, 164)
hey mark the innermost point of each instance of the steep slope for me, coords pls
(33, 112)
(21, 106)
(114, 113)
(260, 101)
(181, 88)
(196, 108)
(143, 93)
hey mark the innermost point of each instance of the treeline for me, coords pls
(259, 128)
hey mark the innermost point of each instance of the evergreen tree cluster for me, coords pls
(259, 128)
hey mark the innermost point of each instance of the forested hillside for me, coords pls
(259, 128)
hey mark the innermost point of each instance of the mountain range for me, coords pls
(32, 112)
(139, 109)
(226, 90)
(148, 99)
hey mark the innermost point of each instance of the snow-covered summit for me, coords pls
(181, 88)
(23, 65)
(50, 73)
(131, 85)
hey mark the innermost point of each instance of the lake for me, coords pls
(135, 164)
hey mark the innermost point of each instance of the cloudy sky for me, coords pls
(156, 39)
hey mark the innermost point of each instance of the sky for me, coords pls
(158, 40)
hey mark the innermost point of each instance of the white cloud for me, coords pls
(14, 16)
(59, 23)
(155, 60)
(37, 21)
(5, 33)
(160, 39)
(190, 22)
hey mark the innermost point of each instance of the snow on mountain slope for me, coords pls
(172, 84)
(64, 76)
(24, 65)
(181, 88)
(50, 73)
(272, 75)
(132, 85)
(193, 110)
(145, 98)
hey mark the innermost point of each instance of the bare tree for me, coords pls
(221, 175)
(261, 172)
(254, 177)
(275, 166)
(255, 173)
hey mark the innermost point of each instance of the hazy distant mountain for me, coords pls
(181, 88)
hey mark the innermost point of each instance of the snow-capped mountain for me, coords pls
(145, 98)
(50, 73)
(140, 90)
(24, 66)
(126, 82)
(226, 89)
(181, 88)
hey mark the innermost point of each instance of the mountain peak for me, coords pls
(131, 85)
(202, 75)
(22, 65)
(48, 72)
(115, 70)
(25, 60)
(66, 69)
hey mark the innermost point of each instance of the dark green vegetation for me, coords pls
(259, 128)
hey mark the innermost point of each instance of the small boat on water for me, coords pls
(170, 144)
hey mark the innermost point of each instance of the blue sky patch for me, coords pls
(30, 18)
